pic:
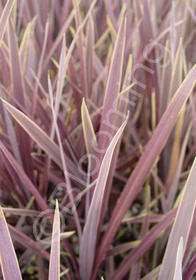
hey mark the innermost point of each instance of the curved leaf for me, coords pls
(89, 238)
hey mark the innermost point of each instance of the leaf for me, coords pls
(89, 54)
(165, 79)
(81, 50)
(178, 266)
(12, 135)
(39, 70)
(144, 165)
(152, 275)
(80, 25)
(118, 114)
(89, 134)
(54, 269)
(18, 91)
(61, 75)
(27, 242)
(8, 259)
(20, 212)
(181, 227)
(144, 245)
(171, 154)
(20, 172)
(112, 88)
(174, 186)
(4, 17)
(89, 237)
(43, 140)
(65, 170)
(15, 66)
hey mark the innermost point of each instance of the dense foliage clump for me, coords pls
(97, 139)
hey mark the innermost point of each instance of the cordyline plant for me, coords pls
(97, 139)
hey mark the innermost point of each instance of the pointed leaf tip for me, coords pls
(8, 259)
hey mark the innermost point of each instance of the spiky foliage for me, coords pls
(98, 111)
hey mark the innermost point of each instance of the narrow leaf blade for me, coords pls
(4, 17)
(89, 134)
(54, 270)
(8, 260)
(181, 227)
(112, 87)
(87, 247)
(178, 267)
